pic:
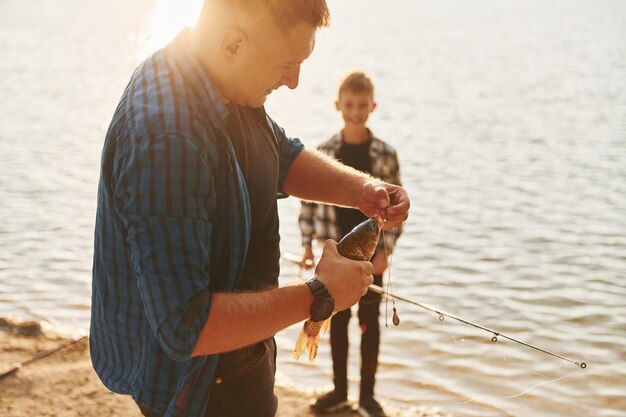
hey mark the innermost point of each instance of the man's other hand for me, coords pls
(389, 201)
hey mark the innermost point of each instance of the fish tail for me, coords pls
(309, 337)
(301, 343)
(326, 324)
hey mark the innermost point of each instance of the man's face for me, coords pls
(268, 61)
(355, 107)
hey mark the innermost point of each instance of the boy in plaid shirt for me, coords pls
(356, 146)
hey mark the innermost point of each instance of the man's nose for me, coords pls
(291, 77)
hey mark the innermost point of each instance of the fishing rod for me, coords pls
(442, 314)
(295, 259)
(40, 355)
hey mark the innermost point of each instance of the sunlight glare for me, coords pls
(166, 20)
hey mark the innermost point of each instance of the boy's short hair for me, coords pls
(357, 82)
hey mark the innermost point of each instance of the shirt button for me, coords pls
(218, 380)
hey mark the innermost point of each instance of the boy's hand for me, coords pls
(345, 279)
(308, 259)
(379, 262)
(389, 201)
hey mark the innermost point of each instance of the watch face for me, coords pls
(323, 309)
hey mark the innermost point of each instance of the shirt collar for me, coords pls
(198, 78)
(339, 138)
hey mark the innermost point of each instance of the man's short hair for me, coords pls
(286, 13)
(313, 12)
(357, 82)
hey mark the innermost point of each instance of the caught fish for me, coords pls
(359, 245)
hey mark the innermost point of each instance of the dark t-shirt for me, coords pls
(257, 155)
(356, 156)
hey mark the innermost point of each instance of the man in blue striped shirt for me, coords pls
(185, 299)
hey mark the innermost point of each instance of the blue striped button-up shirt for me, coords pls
(172, 225)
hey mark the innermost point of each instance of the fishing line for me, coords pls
(526, 391)
(531, 375)
(466, 339)
(510, 363)
(450, 334)
(395, 318)
(543, 383)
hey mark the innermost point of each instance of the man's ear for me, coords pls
(232, 42)
(374, 104)
(337, 105)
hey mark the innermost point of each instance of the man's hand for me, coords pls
(308, 259)
(389, 201)
(345, 279)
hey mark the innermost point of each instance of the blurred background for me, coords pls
(510, 122)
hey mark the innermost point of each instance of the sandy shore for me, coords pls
(63, 384)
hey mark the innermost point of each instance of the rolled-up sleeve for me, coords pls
(288, 150)
(163, 188)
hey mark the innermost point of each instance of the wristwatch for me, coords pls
(323, 305)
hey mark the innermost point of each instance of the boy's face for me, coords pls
(355, 107)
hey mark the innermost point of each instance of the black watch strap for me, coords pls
(324, 304)
(318, 289)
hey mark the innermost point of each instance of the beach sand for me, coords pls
(64, 384)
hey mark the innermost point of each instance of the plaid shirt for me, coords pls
(172, 225)
(319, 221)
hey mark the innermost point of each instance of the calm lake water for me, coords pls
(510, 122)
